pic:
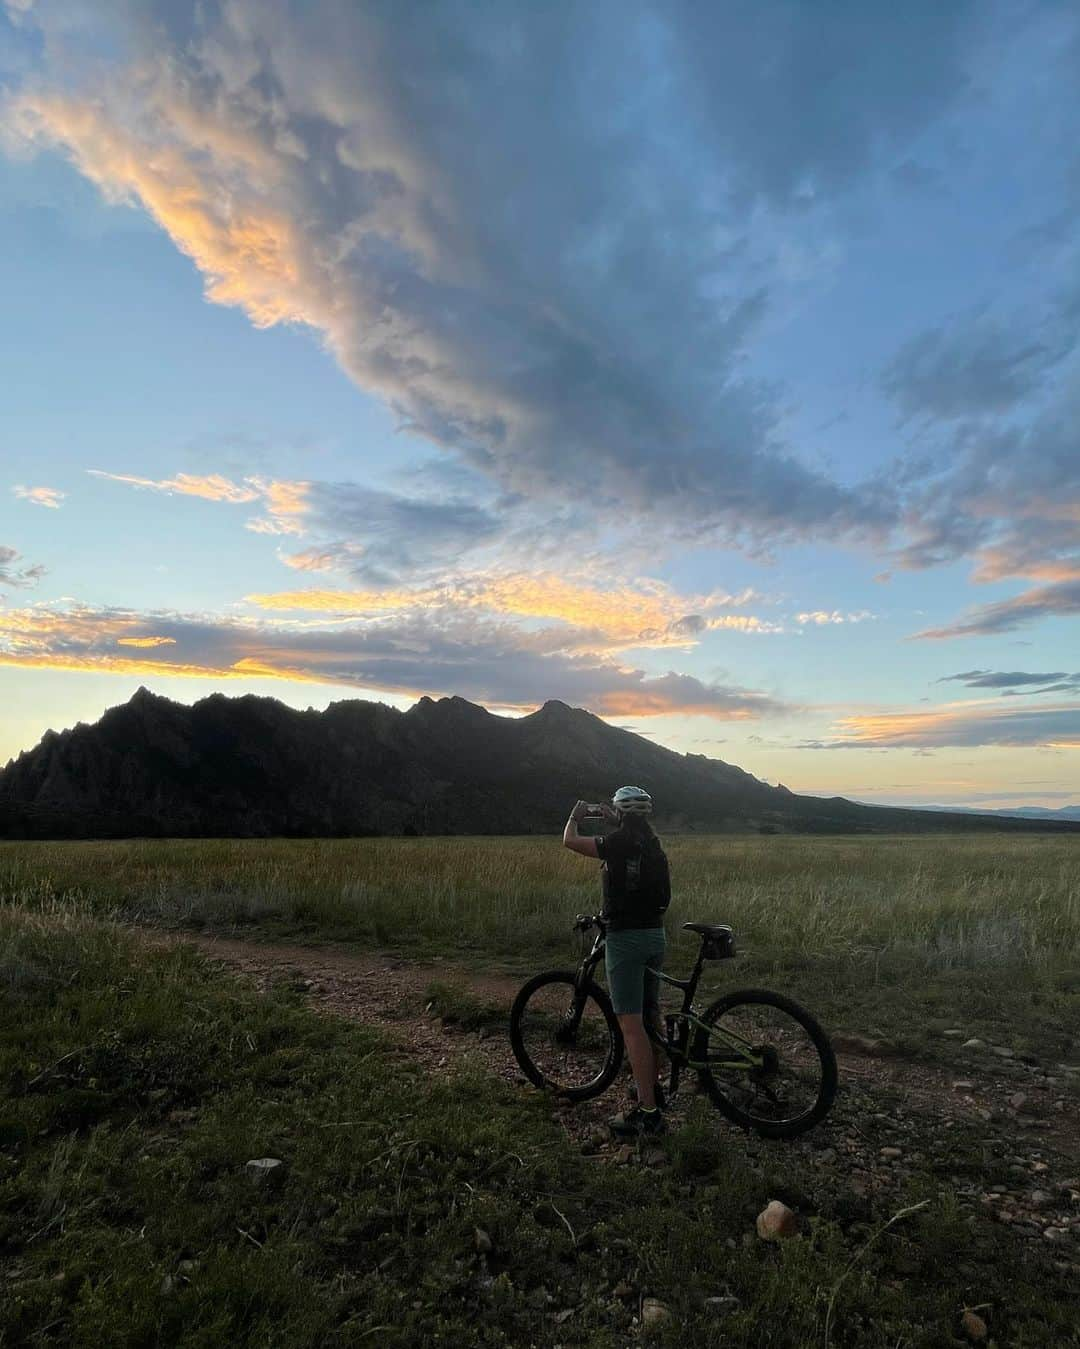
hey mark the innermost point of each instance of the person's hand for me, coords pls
(607, 812)
(581, 809)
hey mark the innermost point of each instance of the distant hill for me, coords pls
(252, 767)
(1017, 812)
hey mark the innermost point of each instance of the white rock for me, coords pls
(776, 1222)
(722, 1305)
(261, 1167)
(973, 1044)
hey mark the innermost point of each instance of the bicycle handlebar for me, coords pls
(584, 921)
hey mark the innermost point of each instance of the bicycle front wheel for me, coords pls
(768, 1065)
(566, 1038)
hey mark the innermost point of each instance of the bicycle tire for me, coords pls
(536, 1076)
(829, 1074)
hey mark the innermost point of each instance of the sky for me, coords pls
(712, 367)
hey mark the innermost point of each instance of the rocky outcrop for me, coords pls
(252, 767)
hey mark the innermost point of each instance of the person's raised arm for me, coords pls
(572, 839)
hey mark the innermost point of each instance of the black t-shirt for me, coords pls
(635, 881)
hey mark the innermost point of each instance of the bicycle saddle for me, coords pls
(714, 930)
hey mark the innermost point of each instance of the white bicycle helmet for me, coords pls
(632, 801)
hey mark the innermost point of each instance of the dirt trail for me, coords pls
(1031, 1123)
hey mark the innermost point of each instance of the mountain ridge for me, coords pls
(253, 767)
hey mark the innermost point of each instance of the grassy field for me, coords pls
(895, 937)
(137, 1082)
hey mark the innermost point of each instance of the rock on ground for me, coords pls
(259, 1168)
(655, 1314)
(776, 1222)
(974, 1327)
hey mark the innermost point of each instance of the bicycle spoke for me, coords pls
(786, 1084)
(566, 1037)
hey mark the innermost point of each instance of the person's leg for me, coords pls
(642, 1058)
(625, 957)
(651, 1005)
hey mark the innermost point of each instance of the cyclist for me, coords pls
(637, 890)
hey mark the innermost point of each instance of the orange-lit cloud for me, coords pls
(211, 487)
(622, 615)
(49, 497)
(490, 662)
(960, 725)
(313, 559)
(285, 501)
(1060, 599)
(250, 255)
(999, 564)
(322, 204)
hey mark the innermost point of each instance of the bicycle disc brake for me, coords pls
(567, 1032)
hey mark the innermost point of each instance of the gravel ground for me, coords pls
(893, 1116)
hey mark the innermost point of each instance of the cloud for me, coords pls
(802, 99)
(649, 614)
(319, 166)
(963, 725)
(383, 537)
(286, 503)
(286, 506)
(489, 662)
(210, 487)
(977, 366)
(415, 553)
(50, 497)
(1010, 679)
(1009, 498)
(830, 617)
(371, 533)
(1008, 615)
(11, 574)
(995, 473)
(146, 642)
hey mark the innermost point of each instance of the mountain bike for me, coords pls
(760, 1057)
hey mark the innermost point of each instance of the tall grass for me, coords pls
(985, 927)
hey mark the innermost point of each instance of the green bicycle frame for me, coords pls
(744, 1059)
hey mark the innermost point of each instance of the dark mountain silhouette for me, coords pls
(254, 767)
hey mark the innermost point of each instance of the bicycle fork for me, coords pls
(567, 1032)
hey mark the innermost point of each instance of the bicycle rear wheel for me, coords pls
(566, 1039)
(794, 1085)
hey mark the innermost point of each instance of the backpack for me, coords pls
(648, 878)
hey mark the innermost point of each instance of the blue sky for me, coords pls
(715, 368)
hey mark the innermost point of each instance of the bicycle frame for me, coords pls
(744, 1058)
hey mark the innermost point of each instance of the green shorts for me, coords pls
(631, 957)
